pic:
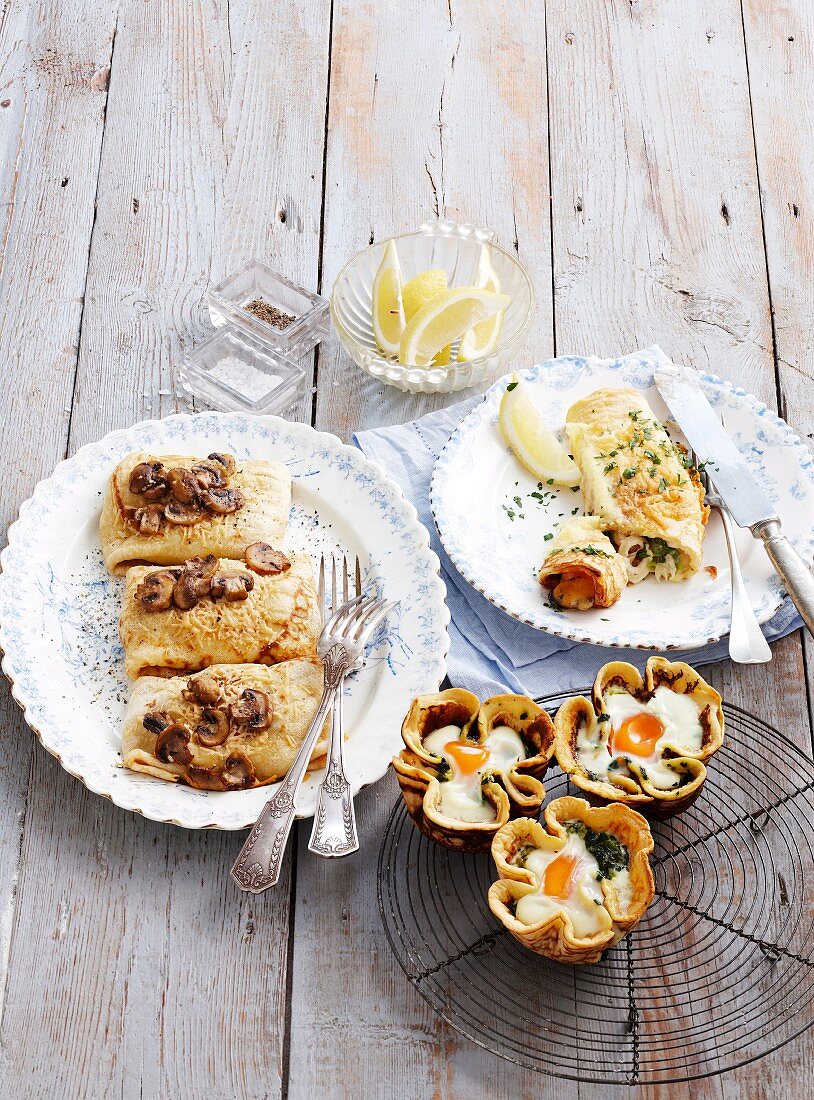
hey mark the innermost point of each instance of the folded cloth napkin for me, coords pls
(490, 652)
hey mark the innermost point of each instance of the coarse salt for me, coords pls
(244, 378)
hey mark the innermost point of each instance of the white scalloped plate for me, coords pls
(476, 480)
(59, 607)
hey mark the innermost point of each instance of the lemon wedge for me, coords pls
(388, 309)
(417, 293)
(444, 319)
(534, 445)
(421, 290)
(482, 339)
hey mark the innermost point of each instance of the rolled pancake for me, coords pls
(293, 690)
(266, 488)
(278, 621)
(583, 567)
(641, 484)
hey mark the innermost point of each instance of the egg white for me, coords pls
(680, 715)
(461, 795)
(585, 901)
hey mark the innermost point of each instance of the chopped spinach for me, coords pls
(610, 854)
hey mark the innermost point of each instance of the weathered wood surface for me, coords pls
(676, 209)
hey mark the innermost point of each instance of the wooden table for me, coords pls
(651, 163)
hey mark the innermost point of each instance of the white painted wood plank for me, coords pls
(51, 117)
(470, 135)
(465, 138)
(164, 980)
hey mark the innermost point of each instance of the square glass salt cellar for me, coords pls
(228, 302)
(233, 372)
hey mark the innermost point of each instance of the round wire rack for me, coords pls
(719, 971)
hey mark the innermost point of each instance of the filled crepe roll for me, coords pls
(227, 728)
(217, 611)
(583, 568)
(641, 484)
(163, 509)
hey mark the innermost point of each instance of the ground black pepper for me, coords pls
(270, 314)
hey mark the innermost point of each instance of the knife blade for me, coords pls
(726, 466)
(728, 472)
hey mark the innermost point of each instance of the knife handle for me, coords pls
(791, 568)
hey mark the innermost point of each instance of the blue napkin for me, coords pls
(490, 652)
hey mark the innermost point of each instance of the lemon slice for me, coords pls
(422, 289)
(445, 319)
(534, 445)
(388, 310)
(482, 339)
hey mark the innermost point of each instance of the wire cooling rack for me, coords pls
(719, 971)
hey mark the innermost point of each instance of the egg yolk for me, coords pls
(558, 875)
(637, 735)
(469, 758)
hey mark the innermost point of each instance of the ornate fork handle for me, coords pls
(258, 865)
(334, 831)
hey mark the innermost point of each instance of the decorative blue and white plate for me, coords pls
(493, 518)
(59, 608)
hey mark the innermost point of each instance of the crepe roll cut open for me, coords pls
(227, 728)
(583, 569)
(575, 887)
(164, 509)
(243, 617)
(644, 741)
(642, 485)
(468, 766)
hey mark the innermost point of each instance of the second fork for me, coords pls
(334, 830)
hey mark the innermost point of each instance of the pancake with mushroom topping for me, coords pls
(164, 509)
(226, 728)
(176, 620)
(583, 568)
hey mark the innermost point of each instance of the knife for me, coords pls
(727, 470)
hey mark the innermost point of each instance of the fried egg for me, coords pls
(461, 794)
(640, 732)
(569, 879)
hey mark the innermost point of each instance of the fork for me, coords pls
(334, 830)
(342, 642)
(747, 646)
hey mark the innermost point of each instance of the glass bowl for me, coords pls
(457, 248)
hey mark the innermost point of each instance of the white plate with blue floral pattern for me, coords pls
(59, 607)
(494, 518)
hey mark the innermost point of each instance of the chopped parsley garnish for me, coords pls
(662, 484)
(548, 537)
(628, 474)
(511, 386)
(610, 466)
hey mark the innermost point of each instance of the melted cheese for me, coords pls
(680, 716)
(461, 794)
(581, 897)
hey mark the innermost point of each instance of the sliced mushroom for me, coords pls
(172, 745)
(252, 710)
(186, 592)
(204, 779)
(201, 567)
(148, 519)
(222, 501)
(155, 591)
(183, 485)
(213, 728)
(202, 689)
(232, 586)
(209, 474)
(265, 560)
(238, 772)
(147, 480)
(182, 514)
(224, 460)
(156, 721)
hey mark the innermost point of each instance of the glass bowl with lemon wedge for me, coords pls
(433, 311)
